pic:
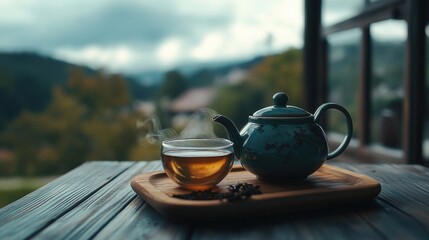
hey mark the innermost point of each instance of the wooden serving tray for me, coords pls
(329, 186)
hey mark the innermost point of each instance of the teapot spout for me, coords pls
(233, 133)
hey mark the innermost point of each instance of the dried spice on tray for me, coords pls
(236, 192)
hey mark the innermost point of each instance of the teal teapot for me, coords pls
(284, 142)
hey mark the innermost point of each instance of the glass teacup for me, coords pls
(197, 164)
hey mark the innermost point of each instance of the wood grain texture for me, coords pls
(402, 209)
(38, 210)
(315, 225)
(379, 220)
(95, 201)
(87, 218)
(138, 220)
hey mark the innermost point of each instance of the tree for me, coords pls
(280, 73)
(20, 93)
(100, 91)
(84, 121)
(276, 73)
(238, 101)
(48, 142)
(173, 85)
(202, 78)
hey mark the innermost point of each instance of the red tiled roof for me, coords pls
(192, 100)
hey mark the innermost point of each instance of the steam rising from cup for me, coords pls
(199, 125)
(150, 130)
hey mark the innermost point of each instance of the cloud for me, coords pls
(117, 58)
(209, 46)
(169, 51)
(108, 23)
(136, 35)
(337, 10)
(389, 30)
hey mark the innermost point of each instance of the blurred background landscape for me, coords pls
(76, 84)
(56, 120)
(58, 115)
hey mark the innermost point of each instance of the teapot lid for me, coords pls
(281, 109)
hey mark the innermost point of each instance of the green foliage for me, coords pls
(238, 101)
(41, 140)
(85, 121)
(87, 116)
(280, 73)
(139, 92)
(17, 94)
(99, 92)
(202, 78)
(277, 73)
(173, 84)
(27, 79)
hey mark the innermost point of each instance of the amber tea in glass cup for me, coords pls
(197, 164)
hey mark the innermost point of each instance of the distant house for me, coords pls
(190, 108)
(234, 76)
(192, 100)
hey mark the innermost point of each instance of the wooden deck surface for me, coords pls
(95, 200)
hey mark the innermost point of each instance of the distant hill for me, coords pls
(26, 81)
(242, 65)
(197, 75)
(44, 69)
(205, 76)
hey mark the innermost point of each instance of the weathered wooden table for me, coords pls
(95, 201)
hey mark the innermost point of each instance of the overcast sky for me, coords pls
(138, 35)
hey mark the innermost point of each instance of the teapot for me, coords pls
(283, 142)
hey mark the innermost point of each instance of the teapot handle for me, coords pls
(348, 137)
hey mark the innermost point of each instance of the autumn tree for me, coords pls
(98, 92)
(276, 73)
(51, 141)
(238, 101)
(280, 73)
(85, 121)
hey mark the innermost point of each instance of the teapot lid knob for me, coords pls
(281, 109)
(280, 99)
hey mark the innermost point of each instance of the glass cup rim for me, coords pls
(222, 143)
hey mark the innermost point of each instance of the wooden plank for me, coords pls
(329, 224)
(140, 221)
(401, 211)
(31, 214)
(89, 217)
(112, 210)
(380, 220)
(403, 185)
(372, 13)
